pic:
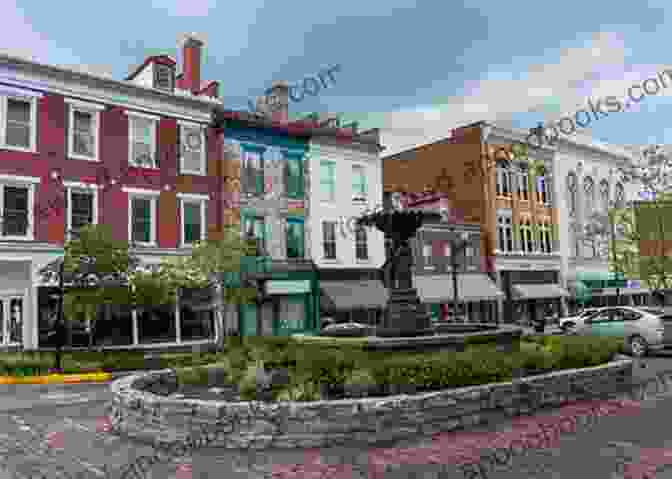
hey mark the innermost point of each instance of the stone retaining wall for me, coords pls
(149, 417)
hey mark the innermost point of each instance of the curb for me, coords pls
(57, 378)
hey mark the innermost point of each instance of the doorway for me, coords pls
(12, 309)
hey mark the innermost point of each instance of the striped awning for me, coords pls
(470, 287)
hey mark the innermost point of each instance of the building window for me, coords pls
(294, 177)
(18, 123)
(542, 190)
(589, 196)
(503, 180)
(82, 207)
(255, 227)
(523, 190)
(545, 238)
(142, 140)
(193, 149)
(427, 252)
(526, 237)
(358, 183)
(17, 211)
(329, 239)
(604, 195)
(253, 172)
(196, 323)
(193, 211)
(157, 324)
(328, 180)
(571, 193)
(163, 77)
(619, 196)
(142, 217)
(84, 130)
(504, 233)
(361, 245)
(295, 238)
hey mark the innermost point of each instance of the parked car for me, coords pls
(569, 323)
(642, 329)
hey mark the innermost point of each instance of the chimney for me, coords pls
(277, 101)
(191, 63)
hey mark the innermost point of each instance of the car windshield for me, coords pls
(654, 311)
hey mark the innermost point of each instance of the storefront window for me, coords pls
(196, 324)
(157, 325)
(113, 326)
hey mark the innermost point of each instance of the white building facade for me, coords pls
(345, 180)
(587, 186)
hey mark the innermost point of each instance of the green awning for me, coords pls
(580, 291)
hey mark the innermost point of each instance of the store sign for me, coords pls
(288, 287)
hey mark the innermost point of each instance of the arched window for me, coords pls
(604, 195)
(589, 196)
(523, 189)
(619, 196)
(545, 243)
(526, 237)
(571, 191)
(503, 180)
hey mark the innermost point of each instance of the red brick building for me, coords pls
(137, 154)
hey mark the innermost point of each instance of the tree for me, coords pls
(216, 264)
(652, 170)
(595, 234)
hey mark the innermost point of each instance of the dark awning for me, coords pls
(347, 295)
(538, 291)
(470, 287)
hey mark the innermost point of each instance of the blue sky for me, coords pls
(414, 69)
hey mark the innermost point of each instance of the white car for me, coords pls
(570, 323)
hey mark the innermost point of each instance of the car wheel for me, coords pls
(638, 346)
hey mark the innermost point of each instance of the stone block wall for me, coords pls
(149, 417)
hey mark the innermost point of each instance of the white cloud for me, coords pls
(503, 95)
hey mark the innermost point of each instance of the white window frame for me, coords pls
(202, 169)
(362, 169)
(21, 182)
(151, 195)
(523, 186)
(85, 188)
(132, 115)
(335, 241)
(202, 201)
(32, 100)
(505, 228)
(366, 245)
(324, 197)
(84, 107)
(526, 236)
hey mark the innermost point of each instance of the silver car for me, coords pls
(568, 324)
(643, 329)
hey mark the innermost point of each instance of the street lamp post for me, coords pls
(456, 247)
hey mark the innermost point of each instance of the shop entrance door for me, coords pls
(12, 307)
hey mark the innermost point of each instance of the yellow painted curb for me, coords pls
(56, 378)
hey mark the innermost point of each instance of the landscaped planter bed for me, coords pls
(460, 389)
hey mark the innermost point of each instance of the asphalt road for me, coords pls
(60, 431)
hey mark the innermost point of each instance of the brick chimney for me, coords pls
(191, 63)
(277, 102)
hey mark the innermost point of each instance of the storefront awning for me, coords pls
(620, 291)
(470, 287)
(347, 295)
(538, 291)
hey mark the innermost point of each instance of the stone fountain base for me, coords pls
(406, 316)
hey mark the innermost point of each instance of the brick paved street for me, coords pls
(61, 432)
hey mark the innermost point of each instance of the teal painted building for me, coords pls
(273, 209)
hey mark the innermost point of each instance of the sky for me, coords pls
(413, 69)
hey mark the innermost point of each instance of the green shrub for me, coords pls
(247, 386)
(306, 391)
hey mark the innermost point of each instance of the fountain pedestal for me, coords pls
(405, 315)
